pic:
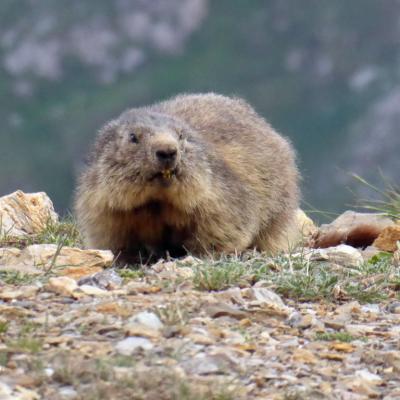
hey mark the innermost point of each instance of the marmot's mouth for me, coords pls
(165, 175)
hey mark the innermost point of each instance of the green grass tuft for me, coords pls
(293, 276)
(335, 336)
(128, 274)
(17, 278)
(25, 344)
(3, 327)
(64, 232)
(220, 275)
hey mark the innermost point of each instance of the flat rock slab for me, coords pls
(46, 255)
(24, 214)
(344, 255)
(352, 228)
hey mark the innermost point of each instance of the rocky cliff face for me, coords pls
(108, 38)
(374, 140)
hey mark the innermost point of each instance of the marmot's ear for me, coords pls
(110, 126)
(106, 135)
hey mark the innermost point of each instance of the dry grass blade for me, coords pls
(389, 203)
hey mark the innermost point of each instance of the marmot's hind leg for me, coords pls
(278, 236)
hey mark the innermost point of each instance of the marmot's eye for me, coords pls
(180, 135)
(133, 138)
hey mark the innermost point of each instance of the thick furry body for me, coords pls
(234, 184)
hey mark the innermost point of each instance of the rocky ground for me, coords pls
(318, 323)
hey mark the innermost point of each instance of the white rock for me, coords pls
(371, 308)
(148, 319)
(21, 393)
(62, 285)
(267, 296)
(129, 345)
(23, 214)
(343, 255)
(368, 376)
(268, 302)
(5, 391)
(94, 291)
(358, 329)
(68, 392)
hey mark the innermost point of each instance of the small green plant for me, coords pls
(25, 340)
(381, 259)
(17, 278)
(26, 344)
(128, 274)
(4, 356)
(28, 328)
(335, 336)
(221, 274)
(64, 231)
(366, 293)
(3, 327)
(314, 282)
(123, 361)
(172, 314)
(296, 394)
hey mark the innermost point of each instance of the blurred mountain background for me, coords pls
(324, 73)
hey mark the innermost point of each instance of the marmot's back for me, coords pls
(199, 172)
(244, 140)
(215, 116)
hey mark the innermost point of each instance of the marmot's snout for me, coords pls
(166, 156)
(165, 152)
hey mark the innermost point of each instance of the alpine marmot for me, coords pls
(198, 174)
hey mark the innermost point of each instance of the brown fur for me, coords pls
(235, 185)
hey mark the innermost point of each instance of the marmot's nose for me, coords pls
(167, 155)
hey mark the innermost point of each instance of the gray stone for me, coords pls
(107, 279)
(129, 345)
(394, 307)
(202, 364)
(225, 310)
(148, 319)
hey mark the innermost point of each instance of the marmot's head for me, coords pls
(149, 152)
